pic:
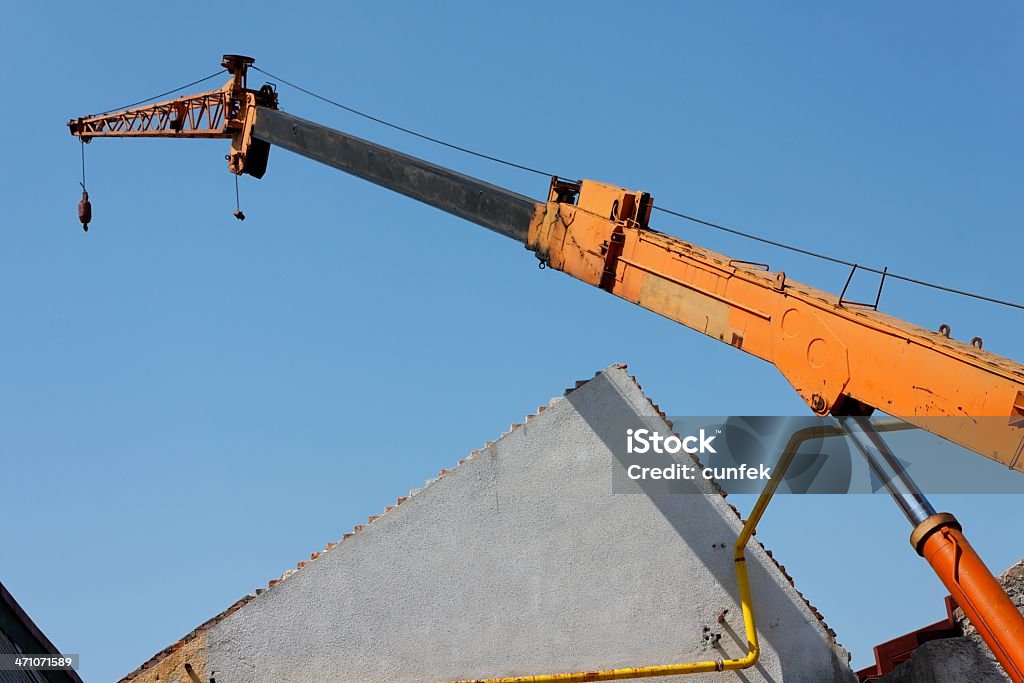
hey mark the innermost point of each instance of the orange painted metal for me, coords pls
(228, 112)
(206, 115)
(979, 594)
(840, 358)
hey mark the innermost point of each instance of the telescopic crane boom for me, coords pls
(840, 358)
(843, 359)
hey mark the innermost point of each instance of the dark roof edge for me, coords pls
(36, 635)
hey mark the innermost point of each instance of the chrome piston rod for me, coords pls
(887, 467)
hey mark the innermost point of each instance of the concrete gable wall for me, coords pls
(522, 561)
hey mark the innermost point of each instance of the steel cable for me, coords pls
(750, 236)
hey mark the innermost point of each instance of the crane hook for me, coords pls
(238, 204)
(84, 205)
(85, 209)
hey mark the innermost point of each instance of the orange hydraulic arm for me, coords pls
(843, 359)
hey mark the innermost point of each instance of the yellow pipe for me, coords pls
(746, 603)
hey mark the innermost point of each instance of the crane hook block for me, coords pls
(85, 211)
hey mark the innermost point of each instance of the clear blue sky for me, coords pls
(190, 405)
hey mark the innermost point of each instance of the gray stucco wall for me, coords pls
(522, 561)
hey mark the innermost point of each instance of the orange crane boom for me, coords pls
(843, 359)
